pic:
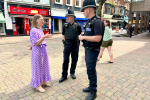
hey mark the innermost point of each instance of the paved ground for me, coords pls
(128, 78)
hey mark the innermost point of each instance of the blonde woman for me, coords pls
(39, 55)
(107, 42)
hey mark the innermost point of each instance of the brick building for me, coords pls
(139, 15)
(117, 12)
(58, 12)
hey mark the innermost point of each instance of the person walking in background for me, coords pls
(148, 30)
(107, 41)
(39, 55)
(131, 30)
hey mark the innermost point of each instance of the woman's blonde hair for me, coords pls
(34, 23)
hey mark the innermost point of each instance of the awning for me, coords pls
(113, 21)
(106, 16)
(2, 19)
(60, 17)
(26, 16)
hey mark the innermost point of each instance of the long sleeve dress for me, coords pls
(39, 58)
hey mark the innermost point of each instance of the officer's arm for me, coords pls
(98, 27)
(96, 38)
(63, 32)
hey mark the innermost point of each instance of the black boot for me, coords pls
(73, 76)
(91, 96)
(87, 89)
(62, 79)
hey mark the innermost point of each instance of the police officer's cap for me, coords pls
(88, 3)
(70, 12)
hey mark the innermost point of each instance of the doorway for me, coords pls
(20, 26)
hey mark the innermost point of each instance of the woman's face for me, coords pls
(40, 22)
(105, 23)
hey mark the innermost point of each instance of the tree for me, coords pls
(101, 2)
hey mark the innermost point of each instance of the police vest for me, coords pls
(89, 31)
(71, 32)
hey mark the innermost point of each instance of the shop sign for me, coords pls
(28, 11)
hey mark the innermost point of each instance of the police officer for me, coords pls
(92, 40)
(70, 33)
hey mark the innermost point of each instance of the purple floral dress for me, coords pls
(39, 59)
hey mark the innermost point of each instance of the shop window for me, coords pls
(36, 0)
(1, 28)
(63, 22)
(78, 3)
(45, 25)
(69, 2)
(30, 23)
(56, 25)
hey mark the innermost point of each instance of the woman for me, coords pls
(107, 41)
(39, 56)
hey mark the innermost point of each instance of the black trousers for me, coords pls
(91, 59)
(73, 49)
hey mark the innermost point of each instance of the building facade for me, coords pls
(117, 12)
(58, 12)
(139, 15)
(2, 18)
(19, 14)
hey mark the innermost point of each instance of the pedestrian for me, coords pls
(131, 30)
(70, 33)
(148, 28)
(92, 40)
(107, 41)
(126, 27)
(39, 55)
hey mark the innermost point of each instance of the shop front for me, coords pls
(2, 27)
(22, 19)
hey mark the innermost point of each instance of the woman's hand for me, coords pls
(47, 35)
(30, 47)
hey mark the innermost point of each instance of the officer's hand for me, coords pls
(81, 37)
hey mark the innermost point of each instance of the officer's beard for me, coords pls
(87, 15)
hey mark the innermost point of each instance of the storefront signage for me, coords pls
(28, 11)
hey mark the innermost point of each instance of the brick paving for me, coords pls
(128, 78)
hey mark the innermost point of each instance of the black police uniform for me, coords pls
(71, 46)
(93, 27)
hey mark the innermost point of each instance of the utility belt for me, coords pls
(70, 42)
(92, 48)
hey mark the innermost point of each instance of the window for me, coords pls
(78, 3)
(58, 1)
(36, 0)
(56, 25)
(107, 9)
(121, 11)
(115, 0)
(97, 1)
(116, 10)
(69, 2)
